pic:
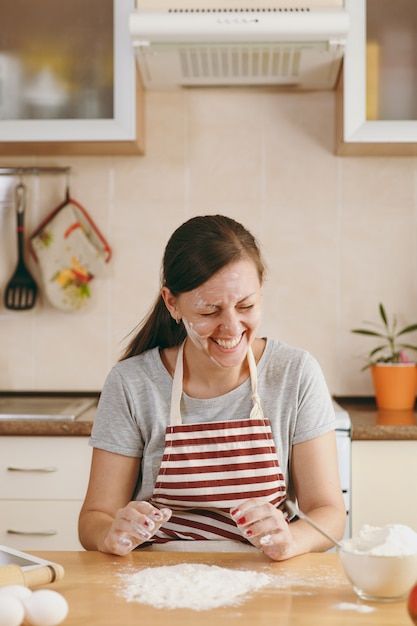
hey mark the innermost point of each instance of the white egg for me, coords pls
(17, 591)
(11, 611)
(45, 607)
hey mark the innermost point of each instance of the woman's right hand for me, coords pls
(133, 524)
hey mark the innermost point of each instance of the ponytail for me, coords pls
(157, 329)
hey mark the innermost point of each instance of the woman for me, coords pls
(203, 428)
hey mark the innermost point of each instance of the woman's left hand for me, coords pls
(265, 527)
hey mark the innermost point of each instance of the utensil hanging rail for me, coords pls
(33, 171)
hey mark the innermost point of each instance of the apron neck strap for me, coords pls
(175, 412)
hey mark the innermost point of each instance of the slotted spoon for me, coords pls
(21, 289)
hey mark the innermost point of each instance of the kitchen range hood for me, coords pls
(188, 43)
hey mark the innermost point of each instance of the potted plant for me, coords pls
(394, 374)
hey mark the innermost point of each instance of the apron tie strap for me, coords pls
(256, 411)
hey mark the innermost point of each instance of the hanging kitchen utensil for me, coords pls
(71, 252)
(21, 290)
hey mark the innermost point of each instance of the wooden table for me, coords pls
(309, 589)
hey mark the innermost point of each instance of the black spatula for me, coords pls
(21, 289)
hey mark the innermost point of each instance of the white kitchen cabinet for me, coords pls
(68, 79)
(39, 525)
(384, 477)
(376, 100)
(44, 482)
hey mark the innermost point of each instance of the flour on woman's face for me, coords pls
(222, 316)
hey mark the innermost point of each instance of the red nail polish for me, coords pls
(241, 520)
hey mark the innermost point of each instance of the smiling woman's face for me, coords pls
(222, 316)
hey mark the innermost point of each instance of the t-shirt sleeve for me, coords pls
(315, 415)
(115, 428)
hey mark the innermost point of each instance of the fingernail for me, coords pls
(148, 523)
(235, 512)
(241, 520)
(157, 515)
(266, 540)
(140, 530)
(248, 532)
(124, 541)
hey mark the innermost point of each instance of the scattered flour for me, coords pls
(349, 606)
(390, 540)
(192, 586)
(311, 581)
(203, 587)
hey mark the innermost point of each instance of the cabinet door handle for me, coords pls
(43, 533)
(50, 469)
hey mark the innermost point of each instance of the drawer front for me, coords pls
(40, 525)
(46, 468)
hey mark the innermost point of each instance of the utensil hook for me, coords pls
(20, 192)
(67, 189)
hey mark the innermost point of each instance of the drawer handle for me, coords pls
(43, 533)
(51, 468)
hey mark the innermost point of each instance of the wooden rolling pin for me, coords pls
(42, 575)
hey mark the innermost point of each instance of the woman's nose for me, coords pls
(230, 322)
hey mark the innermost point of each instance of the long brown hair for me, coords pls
(195, 251)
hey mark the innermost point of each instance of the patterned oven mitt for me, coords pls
(71, 252)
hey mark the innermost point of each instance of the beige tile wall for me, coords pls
(338, 234)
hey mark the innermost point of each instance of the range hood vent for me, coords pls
(230, 10)
(192, 46)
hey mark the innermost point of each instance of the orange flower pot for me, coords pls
(395, 385)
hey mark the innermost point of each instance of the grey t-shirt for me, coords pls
(134, 406)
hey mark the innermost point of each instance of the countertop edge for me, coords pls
(372, 424)
(368, 423)
(45, 428)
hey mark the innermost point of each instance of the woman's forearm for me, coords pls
(93, 527)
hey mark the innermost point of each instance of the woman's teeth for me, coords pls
(229, 344)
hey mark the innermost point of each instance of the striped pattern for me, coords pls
(198, 526)
(213, 467)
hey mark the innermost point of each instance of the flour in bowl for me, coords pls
(192, 586)
(390, 540)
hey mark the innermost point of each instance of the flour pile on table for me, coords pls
(192, 586)
(390, 540)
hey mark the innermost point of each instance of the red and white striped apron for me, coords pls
(207, 468)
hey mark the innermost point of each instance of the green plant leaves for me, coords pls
(407, 329)
(388, 331)
(383, 314)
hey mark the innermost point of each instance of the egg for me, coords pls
(16, 591)
(11, 611)
(45, 607)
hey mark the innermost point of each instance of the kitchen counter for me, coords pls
(368, 423)
(311, 588)
(79, 427)
(371, 424)
(47, 413)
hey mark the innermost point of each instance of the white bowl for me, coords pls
(379, 578)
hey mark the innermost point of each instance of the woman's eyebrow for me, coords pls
(246, 297)
(205, 305)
